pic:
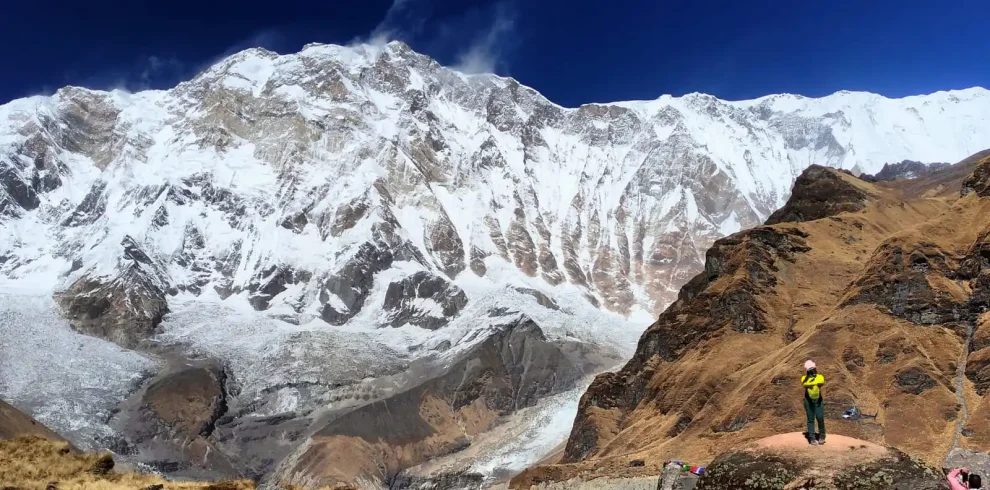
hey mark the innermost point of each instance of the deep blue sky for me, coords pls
(574, 51)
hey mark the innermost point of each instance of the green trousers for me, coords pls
(815, 409)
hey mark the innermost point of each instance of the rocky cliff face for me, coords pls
(877, 282)
(369, 206)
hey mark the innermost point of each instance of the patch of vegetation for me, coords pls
(743, 470)
(901, 471)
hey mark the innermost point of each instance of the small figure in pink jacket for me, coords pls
(962, 479)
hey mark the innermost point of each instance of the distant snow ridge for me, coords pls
(369, 201)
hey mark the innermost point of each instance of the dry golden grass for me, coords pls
(30, 463)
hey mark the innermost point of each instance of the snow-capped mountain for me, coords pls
(367, 204)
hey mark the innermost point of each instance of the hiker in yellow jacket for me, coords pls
(814, 408)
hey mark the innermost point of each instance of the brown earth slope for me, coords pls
(15, 423)
(882, 284)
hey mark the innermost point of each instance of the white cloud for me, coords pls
(387, 28)
(476, 40)
(156, 66)
(271, 39)
(398, 23)
(486, 50)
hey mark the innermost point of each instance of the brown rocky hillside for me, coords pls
(15, 423)
(33, 457)
(885, 285)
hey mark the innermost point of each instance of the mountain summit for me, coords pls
(314, 233)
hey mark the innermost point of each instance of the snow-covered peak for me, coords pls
(389, 136)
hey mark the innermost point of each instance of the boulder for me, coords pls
(788, 462)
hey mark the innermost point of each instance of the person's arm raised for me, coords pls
(953, 478)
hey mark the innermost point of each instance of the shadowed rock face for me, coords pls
(541, 299)
(884, 295)
(509, 370)
(15, 193)
(343, 294)
(273, 281)
(407, 301)
(979, 181)
(124, 308)
(905, 282)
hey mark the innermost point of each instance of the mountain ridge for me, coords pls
(886, 296)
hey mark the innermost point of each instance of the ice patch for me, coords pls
(551, 421)
(729, 225)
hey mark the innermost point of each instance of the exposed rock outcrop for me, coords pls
(979, 181)
(820, 192)
(169, 422)
(906, 169)
(124, 307)
(424, 300)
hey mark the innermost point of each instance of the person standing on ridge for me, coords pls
(814, 407)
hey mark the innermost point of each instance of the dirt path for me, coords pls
(838, 449)
(960, 388)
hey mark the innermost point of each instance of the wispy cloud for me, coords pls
(157, 67)
(157, 71)
(143, 73)
(485, 53)
(395, 24)
(476, 40)
(271, 39)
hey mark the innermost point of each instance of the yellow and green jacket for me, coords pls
(813, 386)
